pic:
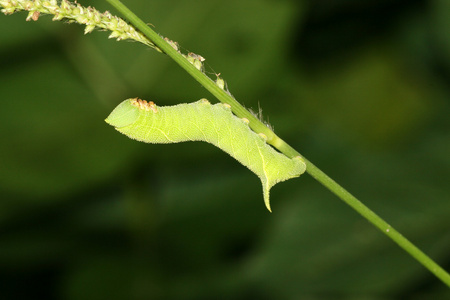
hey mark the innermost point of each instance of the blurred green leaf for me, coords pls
(89, 214)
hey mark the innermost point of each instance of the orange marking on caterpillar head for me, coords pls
(142, 104)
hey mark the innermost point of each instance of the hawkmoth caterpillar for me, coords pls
(215, 124)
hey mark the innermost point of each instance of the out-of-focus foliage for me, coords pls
(358, 87)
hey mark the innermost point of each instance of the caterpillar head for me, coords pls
(126, 113)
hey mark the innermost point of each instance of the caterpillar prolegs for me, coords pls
(215, 124)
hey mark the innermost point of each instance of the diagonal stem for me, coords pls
(278, 143)
(378, 222)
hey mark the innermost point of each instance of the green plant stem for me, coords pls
(204, 80)
(377, 221)
(278, 143)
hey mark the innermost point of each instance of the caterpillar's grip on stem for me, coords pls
(215, 124)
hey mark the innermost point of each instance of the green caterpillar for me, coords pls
(215, 124)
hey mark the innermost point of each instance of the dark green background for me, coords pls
(361, 88)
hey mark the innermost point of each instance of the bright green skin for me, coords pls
(215, 124)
